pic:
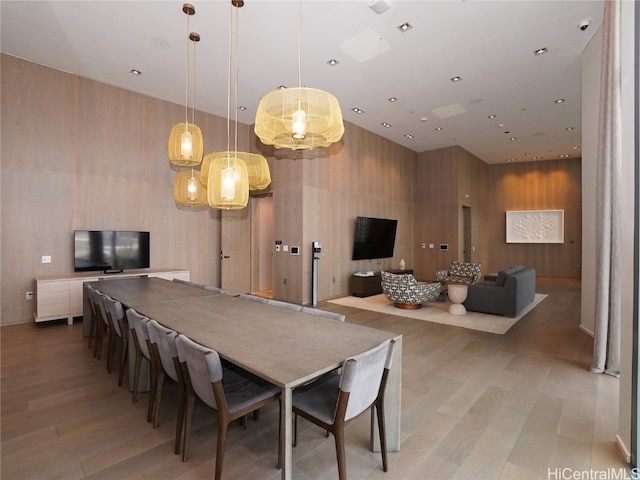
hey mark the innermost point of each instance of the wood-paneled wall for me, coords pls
(77, 154)
(544, 185)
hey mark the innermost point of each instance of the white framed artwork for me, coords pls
(535, 226)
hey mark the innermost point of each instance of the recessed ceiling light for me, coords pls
(393, 99)
(560, 100)
(564, 155)
(386, 125)
(455, 79)
(405, 27)
(576, 147)
(242, 107)
(424, 119)
(540, 51)
(408, 135)
(333, 62)
(282, 87)
(513, 139)
(135, 72)
(511, 160)
(357, 110)
(568, 129)
(537, 158)
(491, 116)
(438, 129)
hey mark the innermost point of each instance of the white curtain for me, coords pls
(606, 349)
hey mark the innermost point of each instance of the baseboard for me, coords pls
(626, 453)
(586, 330)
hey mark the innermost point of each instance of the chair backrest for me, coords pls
(362, 376)
(281, 304)
(213, 289)
(204, 367)
(115, 311)
(99, 299)
(165, 341)
(324, 314)
(253, 298)
(140, 324)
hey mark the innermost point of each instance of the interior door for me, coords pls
(235, 254)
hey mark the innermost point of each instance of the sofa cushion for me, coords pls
(502, 276)
(517, 268)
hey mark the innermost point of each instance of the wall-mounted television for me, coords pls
(110, 251)
(375, 238)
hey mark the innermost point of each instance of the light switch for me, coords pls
(46, 259)
(285, 248)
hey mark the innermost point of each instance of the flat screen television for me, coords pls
(110, 251)
(375, 238)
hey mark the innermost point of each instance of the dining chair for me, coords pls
(333, 400)
(139, 328)
(119, 337)
(281, 304)
(213, 289)
(232, 393)
(324, 314)
(103, 327)
(162, 341)
(253, 298)
(93, 317)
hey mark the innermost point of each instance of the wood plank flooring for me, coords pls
(475, 405)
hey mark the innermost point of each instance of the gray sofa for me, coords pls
(512, 290)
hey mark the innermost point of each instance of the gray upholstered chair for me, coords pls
(253, 298)
(163, 346)
(93, 317)
(335, 399)
(233, 398)
(324, 314)
(102, 322)
(118, 337)
(406, 292)
(281, 304)
(460, 272)
(139, 327)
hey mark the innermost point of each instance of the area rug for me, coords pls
(437, 312)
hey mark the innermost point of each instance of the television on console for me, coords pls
(375, 238)
(110, 251)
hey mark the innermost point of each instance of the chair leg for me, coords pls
(156, 403)
(92, 330)
(295, 429)
(136, 376)
(222, 440)
(182, 401)
(379, 406)
(188, 420)
(280, 435)
(338, 434)
(123, 358)
(99, 336)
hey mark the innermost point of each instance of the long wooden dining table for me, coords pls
(285, 347)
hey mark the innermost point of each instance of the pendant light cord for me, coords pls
(229, 85)
(299, 42)
(235, 93)
(186, 83)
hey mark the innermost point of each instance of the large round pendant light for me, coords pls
(299, 118)
(185, 146)
(188, 191)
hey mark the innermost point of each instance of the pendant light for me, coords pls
(299, 118)
(185, 140)
(188, 191)
(227, 179)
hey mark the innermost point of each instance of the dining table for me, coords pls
(288, 348)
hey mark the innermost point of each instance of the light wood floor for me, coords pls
(475, 405)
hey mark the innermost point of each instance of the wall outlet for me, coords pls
(46, 259)
(29, 296)
(277, 248)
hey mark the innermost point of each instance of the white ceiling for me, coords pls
(489, 44)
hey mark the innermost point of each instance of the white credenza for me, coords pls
(61, 296)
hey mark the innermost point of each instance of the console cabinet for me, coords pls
(61, 296)
(371, 285)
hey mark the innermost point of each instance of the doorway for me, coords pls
(262, 245)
